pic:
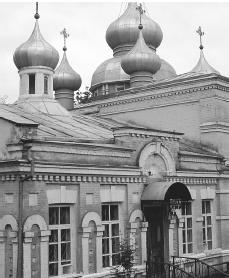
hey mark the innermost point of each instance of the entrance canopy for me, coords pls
(164, 191)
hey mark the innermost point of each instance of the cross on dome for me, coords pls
(201, 33)
(36, 16)
(65, 35)
(141, 11)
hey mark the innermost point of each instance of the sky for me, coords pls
(87, 22)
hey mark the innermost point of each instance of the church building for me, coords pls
(145, 158)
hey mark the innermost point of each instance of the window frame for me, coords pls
(59, 227)
(46, 82)
(187, 229)
(109, 222)
(205, 226)
(32, 83)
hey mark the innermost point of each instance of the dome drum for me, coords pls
(65, 98)
(141, 78)
(124, 48)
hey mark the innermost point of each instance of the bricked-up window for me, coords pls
(59, 240)
(111, 235)
(187, 241)
(31, 83)
(207, 224)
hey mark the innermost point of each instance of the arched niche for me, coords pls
(91, 216)
(8, 220)
(35, 219)
(157, 160)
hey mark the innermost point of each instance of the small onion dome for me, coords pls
(36, 52)
(141, 58)
(124, 30)
(65, 77)
(203, 66)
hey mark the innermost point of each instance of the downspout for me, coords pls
(20, 261)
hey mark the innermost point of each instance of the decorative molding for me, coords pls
(222, 217)
(222, 191)
(76, 178)
(164, 95)
(192, 180)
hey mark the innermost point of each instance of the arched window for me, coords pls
(46, 84)
(31, 83)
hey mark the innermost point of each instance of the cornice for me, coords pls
(192, 180)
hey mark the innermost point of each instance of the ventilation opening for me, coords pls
(31, 83)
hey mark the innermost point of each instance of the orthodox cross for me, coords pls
(37, 16)
(199, 31)
(141, 11)
(65, 35)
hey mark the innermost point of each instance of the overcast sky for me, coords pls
(87, 23)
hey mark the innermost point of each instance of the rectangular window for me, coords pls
(46, 84)
(120, 87)
(187, 241)
(31, 83)
(59, 240)
(207, 224)
(111, 235)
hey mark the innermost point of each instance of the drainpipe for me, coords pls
(20, 270)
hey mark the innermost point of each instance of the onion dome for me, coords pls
(124, 31)
(141, 58)
(36, 51)
(65, 77)
(203, 66)
(166, 71)
(108, 72)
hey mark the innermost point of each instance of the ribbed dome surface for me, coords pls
(109, 71)
(124, 30)
(36, 52)
(141, 58)
(166, 71)
(65, 77)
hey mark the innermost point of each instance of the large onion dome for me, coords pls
(141, 58)
(36, 52)
(166, 71)
(124, 31)
(65, 77)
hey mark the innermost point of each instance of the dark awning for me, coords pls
(164, 191)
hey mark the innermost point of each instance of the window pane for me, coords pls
(204, 236)
(189, 248)
(189, 222)
(54, 236)
(209, 245)
(114, 212)
(115, 245)
(106, 231)
(189, 209)
(209, 220)
(45, 84)
(65, 251)
(209, 233)
(208, 207)
(64, 215)
(115, 229)
(105, 212)
(184, 237)
(106, 262)
(53, 216)
(53, 269)
(184, 248)
(53, 252)
(203, 207)
(31, 83)
(65, 235)
(189, 235)
(115, 259)
(105, 245)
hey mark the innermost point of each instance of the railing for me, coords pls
(165, 270)
(198, 268)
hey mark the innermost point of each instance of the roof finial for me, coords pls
(141, 11)
(199, 31)
(36, 16)
(65, 35)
